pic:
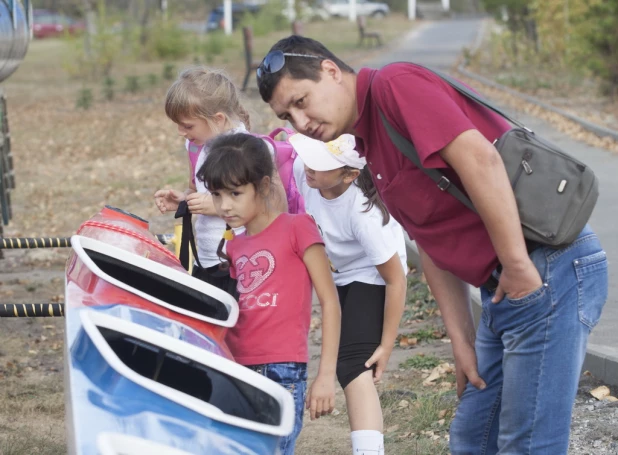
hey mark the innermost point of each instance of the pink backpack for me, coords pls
(285, 156)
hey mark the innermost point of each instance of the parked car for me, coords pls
(47, 24)
(215, 19)
(341, 8)
(307, 12)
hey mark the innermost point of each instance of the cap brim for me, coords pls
(314, 153)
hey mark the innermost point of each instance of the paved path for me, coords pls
(438, 45)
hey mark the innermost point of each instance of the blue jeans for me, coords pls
(530, 352)
(292, 376)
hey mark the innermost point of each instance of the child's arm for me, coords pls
(201, 204)
(191, 189)
(395, 278)
(168, 200)
(321, 396)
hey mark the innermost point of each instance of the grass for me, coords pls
(419, 427)
(421, 362)
(23, 442)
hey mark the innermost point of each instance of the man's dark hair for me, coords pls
(298, 67)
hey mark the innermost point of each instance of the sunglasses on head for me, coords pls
(275, 61)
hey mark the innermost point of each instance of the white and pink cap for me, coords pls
(326, 156)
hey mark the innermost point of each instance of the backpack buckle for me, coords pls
(444, 183)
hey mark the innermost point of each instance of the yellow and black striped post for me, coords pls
(12, 243)
(31, 310)
(34, 242)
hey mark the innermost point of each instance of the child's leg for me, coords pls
(365, 415)
(363, 403)
(293, 377)
(362, 316)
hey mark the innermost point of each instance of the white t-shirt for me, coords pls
(209, 228)
(356, 241)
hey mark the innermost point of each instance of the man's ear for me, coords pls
(332, 70)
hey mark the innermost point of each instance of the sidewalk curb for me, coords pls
(601, 361)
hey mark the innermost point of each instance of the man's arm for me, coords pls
(482, 172)
(453, 298)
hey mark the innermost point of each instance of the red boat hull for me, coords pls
(122, 230)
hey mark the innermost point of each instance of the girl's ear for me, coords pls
(351, 175)
(220, 120)
(265, 187)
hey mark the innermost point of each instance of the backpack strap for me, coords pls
(187, 239)
(407, 148)
(281, 129)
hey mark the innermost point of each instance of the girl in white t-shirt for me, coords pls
(204, 103)
(366, 248)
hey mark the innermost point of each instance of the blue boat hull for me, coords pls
(104, 401)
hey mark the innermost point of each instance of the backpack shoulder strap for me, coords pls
(407, 148)
(187, 240)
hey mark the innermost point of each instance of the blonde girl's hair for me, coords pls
(201, 92)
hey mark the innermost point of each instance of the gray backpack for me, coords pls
(555, 193)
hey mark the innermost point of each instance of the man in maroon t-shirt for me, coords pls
(533, 335)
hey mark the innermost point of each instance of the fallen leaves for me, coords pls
(602, 393)
(405, 341)
(403, 404)
(392, 429)
(439, 372)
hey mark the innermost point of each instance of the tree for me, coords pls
(599, 29)
(518, 16)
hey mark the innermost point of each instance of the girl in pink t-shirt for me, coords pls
(275, 262)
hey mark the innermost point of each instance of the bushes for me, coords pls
(581, 35)
(167, 41)
(269, 18)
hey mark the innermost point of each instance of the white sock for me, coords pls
(367, 442)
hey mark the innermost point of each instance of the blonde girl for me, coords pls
(204, 103)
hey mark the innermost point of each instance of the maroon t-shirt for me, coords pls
(429, 112)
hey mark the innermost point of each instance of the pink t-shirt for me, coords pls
(275, 292)
(424, 108)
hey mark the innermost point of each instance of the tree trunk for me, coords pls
(90, 15)
(143, 36)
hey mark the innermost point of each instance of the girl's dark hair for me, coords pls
(235, 160)
(365, 183)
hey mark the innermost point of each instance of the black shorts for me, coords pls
(217, 277)
(362, 318)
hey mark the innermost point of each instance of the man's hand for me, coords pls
(321, 397)
(380, 359)
(168, 200)
(517, 282)
(466, 369)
